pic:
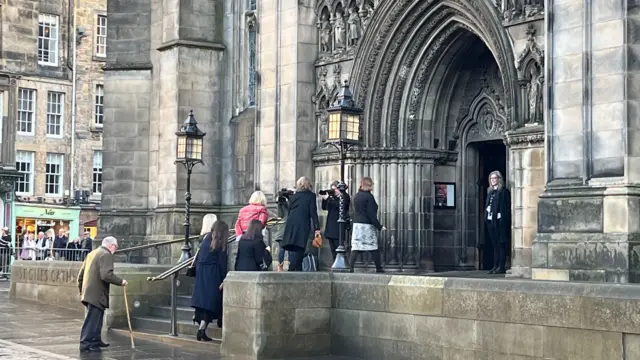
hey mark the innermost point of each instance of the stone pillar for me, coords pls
(189, 63)
(128, 89)
(526, 174)
(288, 50)
(588, 216)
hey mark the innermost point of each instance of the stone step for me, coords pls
(164, 312)
(154, 325)
(183, 301)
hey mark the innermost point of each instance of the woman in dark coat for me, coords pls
(211, 269)
(252, 252)
(303, 214)
(331, 203)
(364, 236)
(498, 221)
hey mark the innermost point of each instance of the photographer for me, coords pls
(303, 214)
(331, 203)
(284, 195)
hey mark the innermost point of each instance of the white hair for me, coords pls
(109, 240)
(207, 223)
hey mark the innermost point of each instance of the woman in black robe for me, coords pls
(211, 269)
(498, 221)
(303, 214)
(253, 254)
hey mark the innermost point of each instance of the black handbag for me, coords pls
(267, 260)
(191, 269)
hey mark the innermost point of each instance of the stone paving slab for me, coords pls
(30, 331)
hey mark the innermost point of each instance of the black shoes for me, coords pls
(493, 270)
(497, 270)
(104, 344)
(90, 349)
(202, 336)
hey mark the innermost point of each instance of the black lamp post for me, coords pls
(344, 133)
(189, 153)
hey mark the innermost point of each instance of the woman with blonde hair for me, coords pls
(497, 221)
(256, 210)
(303, 212)
(364, 237)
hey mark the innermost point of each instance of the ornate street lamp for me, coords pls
(189, 153)
(344, 133)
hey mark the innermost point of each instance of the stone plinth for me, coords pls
(55, 282)
(276, 315)
(409, 317)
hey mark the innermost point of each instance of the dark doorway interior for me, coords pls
(492, 156)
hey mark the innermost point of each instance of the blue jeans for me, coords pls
(281, 256)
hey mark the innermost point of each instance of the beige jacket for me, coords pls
(96, 274)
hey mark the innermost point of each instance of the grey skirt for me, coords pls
(364, 237)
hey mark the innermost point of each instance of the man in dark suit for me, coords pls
(94, 279)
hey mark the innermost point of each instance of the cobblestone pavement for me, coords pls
(30, 331)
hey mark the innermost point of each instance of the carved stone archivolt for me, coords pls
(484, 121)
(516, 11)
(341, 25)
(393, 91)
(530, 66)
(323, 98)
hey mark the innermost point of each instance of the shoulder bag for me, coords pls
(191, 269)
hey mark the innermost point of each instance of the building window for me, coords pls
(53, 182)
(26, 111)
(24, 165)
(99, 105)
(101, 36)
(252, 4)
(48, 39)
(2, 134)
(251, 98)
(97, 172)
(55, 108)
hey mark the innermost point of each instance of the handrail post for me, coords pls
(174, 305)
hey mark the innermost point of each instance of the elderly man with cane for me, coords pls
(94, 279)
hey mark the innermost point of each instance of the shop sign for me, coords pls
(48, 213)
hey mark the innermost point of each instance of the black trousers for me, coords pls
(90, 335)
(375, 254)
(298, 257)
(333, 243)
(499, 249)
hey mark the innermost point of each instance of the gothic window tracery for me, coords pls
(252, 52)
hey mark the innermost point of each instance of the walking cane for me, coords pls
(126, 306)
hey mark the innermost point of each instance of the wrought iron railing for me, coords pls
(157, 246)
(175, 271)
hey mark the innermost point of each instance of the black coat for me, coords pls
(503, 206)
(332, 205)
(211, 269)
(366, 209)
(251, 253)
(302, 219)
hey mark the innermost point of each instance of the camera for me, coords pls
(284, 195)
(326, 192)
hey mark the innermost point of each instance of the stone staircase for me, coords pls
(158, 319)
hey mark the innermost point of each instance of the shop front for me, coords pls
(33, 219)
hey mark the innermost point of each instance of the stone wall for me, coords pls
(406, 317)
(55, 283)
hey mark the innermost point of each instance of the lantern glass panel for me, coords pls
(352, 127)
(194, 148)
(182, 147)
(334, 127)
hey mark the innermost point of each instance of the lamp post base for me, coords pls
(340, 263)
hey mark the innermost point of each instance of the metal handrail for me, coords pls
(177, 268)
(148, 246)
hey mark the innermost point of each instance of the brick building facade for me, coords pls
(58, 154)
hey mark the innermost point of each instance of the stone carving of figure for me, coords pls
(355, 27)
(339, 32)
(325, 35)
(323, 120)
(366, 15)
(534, 92)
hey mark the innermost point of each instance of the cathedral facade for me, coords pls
(542, 91)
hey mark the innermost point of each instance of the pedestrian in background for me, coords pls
(364, 238)
(301, 222)
(94, 279)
